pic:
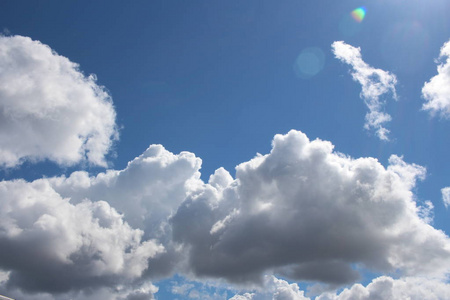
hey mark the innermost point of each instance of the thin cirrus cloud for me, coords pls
(436, 92)
(49, 109)
(374, 82)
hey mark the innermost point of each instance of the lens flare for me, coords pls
(359, 14)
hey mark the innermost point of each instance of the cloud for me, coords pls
(303, 211)
(381, 288)
(437, 91)
(274, 289)
(385, 288)
(147, 191)
(446, 196)
(75, 245)
(93, 234)
(374, 82)
(49, 109)
(310, 214)
(143, 291)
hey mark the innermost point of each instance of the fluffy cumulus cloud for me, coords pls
(375, 83)
(49, 109)
(437, 91)
(381, 288)
(385, 287)
(309, 213)
(274, 289)
(302, 211)
(52, 245)
(147, 191)
(99, 237)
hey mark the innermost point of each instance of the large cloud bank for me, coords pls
(437, 91)
(303, 211)
(49, 109)
(374, 83)
(310, 214)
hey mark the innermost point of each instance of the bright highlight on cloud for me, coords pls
(437, 91)
(49, 109)
(375, 83)
(359, 14)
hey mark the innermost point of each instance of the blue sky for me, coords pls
(219, 79)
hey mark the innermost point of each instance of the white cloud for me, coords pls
(75, 245)
(302, 211)
(274, 289)
(374, 82)
(69, 229)
(385, 288)
(147, 191)
(311, 214)
(49, 109)
(246, 296)
(381, 288)
(446, 196)
(437, 91)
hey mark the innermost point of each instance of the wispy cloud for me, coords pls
(446, 196)
(374, 82)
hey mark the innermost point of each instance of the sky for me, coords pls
(224, 149)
